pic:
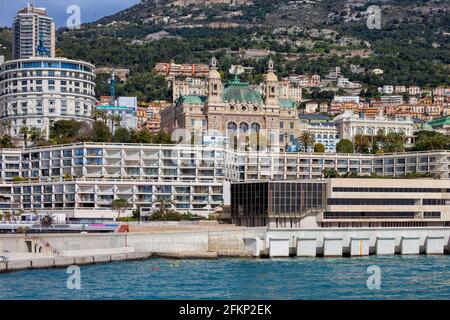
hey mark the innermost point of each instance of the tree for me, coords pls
(330, 173)
(306, 139)
(122, 135)
(344, 146)
(7, 216)
(100, 132)
(17, 214)
(375, 148)
(141, 136)
(394, 142)
(162, 137)
(163, 210)
(47, 221)
(6, 141)
(319, 148)
(65, 131)
(115, 121)
(431, 140)
(381, 135)
(97, 114)
(120, 205)
(25, 131)
(22, 230)
(362, 143)
(36, 135)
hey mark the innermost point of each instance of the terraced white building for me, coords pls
(81, 180)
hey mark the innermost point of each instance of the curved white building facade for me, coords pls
(36, 92)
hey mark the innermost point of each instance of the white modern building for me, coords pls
(125, 108)
(35, 92)
(350, 124)
(355, 99)
(325, 133)
(342, 203)
(81, 180)
(33, 34)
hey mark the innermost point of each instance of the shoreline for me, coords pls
(63, 262)
(20, 252)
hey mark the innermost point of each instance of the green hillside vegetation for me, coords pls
(411, 47)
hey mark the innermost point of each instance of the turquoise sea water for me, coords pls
(402, 277)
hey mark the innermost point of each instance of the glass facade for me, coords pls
(258, 204)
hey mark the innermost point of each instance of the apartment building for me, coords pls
(290, 92)
(188, 87)
(172, 70)
(33, 34)
(36, 92)
(81, 180)
(293, 166)
(325, 133)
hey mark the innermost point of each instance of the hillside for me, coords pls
(5, 43)
(302, 36)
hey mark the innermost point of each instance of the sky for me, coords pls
(91, 10)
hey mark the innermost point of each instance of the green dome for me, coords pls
(287, 103)
(192, 100)
(237, 91)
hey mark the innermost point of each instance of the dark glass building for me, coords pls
(276, 203)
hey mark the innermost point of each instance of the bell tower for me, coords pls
(215, 86)
(271, 84)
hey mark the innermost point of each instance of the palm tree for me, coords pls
(8, 126)
(25, 131)
(361, 143)
(35, 135)
(23, 230)
(17, 214)
(163, 208)
(306, 139)
(47, 221)
(8, 216)
(120, 205)
(381, 135)
(98, 114)
(115, 119)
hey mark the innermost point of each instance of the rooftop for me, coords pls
(439, 122)
(238, 91)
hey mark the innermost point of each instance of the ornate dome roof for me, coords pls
(270, 76)
(237, 91)
(214, 74)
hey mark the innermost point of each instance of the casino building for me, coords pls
(237, 111)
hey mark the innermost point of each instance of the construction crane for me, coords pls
(112, 86)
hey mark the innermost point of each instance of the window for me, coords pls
(373, 202)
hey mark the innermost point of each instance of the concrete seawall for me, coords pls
(357, 242)
(60, 250)
(19, 252)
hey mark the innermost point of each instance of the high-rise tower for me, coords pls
(34, 34)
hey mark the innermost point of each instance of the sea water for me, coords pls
(398, 277)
